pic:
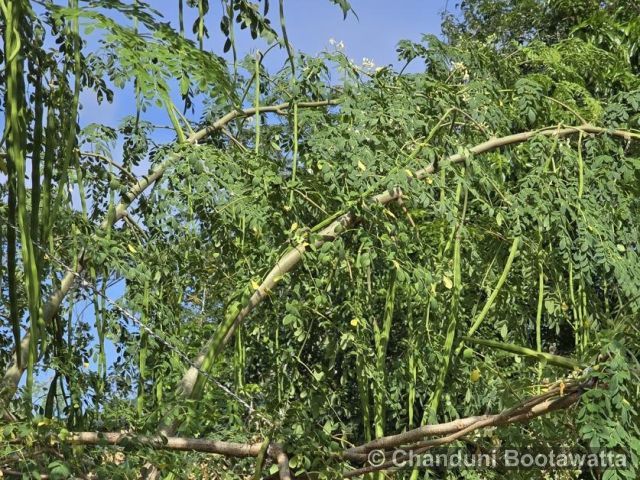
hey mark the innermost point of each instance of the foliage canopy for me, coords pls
(313, 265)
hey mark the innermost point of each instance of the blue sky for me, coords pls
(373, 34)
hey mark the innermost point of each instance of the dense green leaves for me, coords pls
(529, 247)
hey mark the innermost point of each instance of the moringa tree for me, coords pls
(300, 274)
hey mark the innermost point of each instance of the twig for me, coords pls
(104, 158)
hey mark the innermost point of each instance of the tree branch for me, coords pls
(292, 257)
(557, 398)
(205, 445)
(106, 159)
(560, 395)
(13, 373)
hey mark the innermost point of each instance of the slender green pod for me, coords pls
(71, 114)
(556, 360)
(143, 352)
(171, 111)
(36, 155)
(580, 166)
(261, 458)
(494, 294)
(382, 341)
(240, 360)
(539, 310)
(412, 368)
(294, 161)
(46, 220)
(285, 38)
(16, 13)
(434, 402)
(201, 24)
(575, 310)
(256, 101)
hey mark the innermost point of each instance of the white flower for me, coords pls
(368, 63)
(332, 41)
(340, 45)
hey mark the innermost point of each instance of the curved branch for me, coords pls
(293, 256)
(12, 375)
(554, 400)
(559, 396)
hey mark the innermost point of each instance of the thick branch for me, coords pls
(556, 399)
(205, 445)
(559, 396)
(282, 460)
